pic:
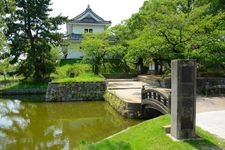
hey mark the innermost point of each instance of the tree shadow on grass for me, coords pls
(29, 85)
(202, 144)
(209, 142)
(106, 145)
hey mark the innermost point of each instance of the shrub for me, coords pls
(71, 70)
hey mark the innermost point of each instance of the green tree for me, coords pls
(2, 37)
(215, 5)
(4, 63)
(31, 33)
(121, 35)
(165, 30)
(6, 68)
(94, 47)
(64, 48)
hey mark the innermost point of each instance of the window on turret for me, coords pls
(85, 30)
(88, 30)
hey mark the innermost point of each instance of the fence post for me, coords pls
(142, 92)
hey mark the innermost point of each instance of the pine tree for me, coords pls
(1, 26)
(31, 33)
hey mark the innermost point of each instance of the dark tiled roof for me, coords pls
(89, 19)
(75, 36)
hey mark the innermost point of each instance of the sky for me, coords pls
(113, 10)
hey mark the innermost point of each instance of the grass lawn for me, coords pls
(10, 78)
(64, 73)
(15, 83)
(20, 85)
(85, 77)
(150, 135)
(75, 72)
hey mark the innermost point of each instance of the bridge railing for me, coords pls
(151, 94)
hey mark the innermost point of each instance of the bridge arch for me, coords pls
(157, 99)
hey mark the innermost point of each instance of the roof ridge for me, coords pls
(88, 9)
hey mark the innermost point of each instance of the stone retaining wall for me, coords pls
(75, 91)
(214, 83)
(128, 110)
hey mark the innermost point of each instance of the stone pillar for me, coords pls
(183, 100)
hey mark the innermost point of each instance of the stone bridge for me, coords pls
(135, 99)
(156, 98)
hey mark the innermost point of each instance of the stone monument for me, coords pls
(183, 100)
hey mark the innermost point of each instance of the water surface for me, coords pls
(40, 125)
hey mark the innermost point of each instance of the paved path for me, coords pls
(208, 104)
(123, 84)
(210, 110)
(213, 122)
(129, 91)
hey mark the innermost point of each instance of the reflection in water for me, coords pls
(27, 125)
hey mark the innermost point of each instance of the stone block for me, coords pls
(75, 91)
(183, 99)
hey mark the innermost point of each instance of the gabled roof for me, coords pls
(88, 16)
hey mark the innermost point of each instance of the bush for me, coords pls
(71, 70)
(115, 66)
(87, 77)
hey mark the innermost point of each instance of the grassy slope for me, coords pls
(150, 135)
(82, 73)
(87, 77)
(15, 83)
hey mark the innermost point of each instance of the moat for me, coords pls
(35, 124)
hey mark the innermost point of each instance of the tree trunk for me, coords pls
(4, 74)
(156, 66)
(161, 67)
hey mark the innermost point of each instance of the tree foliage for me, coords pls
(95, 46)
(2, 37)
(165, 30)
(105, 52)
(31, 33)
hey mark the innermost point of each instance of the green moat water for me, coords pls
(41, 125)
